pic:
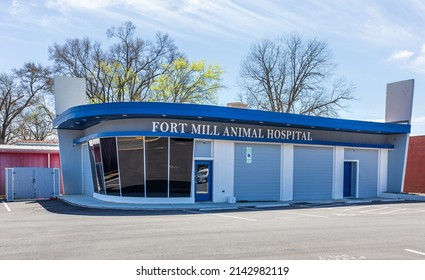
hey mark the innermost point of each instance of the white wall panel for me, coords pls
(223, 170)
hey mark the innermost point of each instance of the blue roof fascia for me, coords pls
(84, 139)
(84, 116)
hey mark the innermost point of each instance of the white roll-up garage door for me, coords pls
(313, 173)
(257, 172)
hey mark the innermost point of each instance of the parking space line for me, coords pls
(302, 214)
(413, 211)
(6, 206)
(373, 210)
(235, 217)
(221, 215)
(285, 212)
(393, 211)
(355, 208)
(415, 252)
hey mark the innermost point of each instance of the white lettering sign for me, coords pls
(230, 131)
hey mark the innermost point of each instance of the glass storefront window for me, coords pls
(110, 165)
(132, 166)
(96, 166)
(142, 166)
(156, 166)
(181, 155)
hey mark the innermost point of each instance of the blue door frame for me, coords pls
(348, 178)
(203, 180)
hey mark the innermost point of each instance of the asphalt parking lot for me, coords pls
(48, 230)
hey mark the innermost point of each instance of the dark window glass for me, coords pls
(110, 165)
(181, 158)
(156, 166)
(96, 150)
(97, 182)
(131, 160)
(99, 165)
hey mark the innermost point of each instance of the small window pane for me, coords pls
(203, 148)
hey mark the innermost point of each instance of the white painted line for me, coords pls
(234, 217)
(6, 206)
(356, 208)
(415, 252)
(373, 210)
(301, 214)
(393, 211)
(221, 215)
(413, 211)
(345, 215)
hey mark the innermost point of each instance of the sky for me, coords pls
(373, 42)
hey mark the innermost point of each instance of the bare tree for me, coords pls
(123, 73)
(35, 122)
(82, 58)
(19, 91)
(293, 76)
(139, 61)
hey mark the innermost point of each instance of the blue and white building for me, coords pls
(183, 153)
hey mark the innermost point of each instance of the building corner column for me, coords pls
(287, 175)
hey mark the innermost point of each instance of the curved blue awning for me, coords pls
(85, 116)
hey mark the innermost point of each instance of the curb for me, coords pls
(272, 205)
(218, 208)
(358, 201)
(212, 207)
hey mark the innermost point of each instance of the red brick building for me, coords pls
(415, 169)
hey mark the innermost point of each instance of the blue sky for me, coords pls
(373, 42)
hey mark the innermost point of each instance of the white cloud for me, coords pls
(82, 5)
(418, 120)
(418, 125)
(409, 60)
(248, 19)
(400, 55)
(364, 20)
(238, 21)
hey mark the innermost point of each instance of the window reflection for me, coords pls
(110, 165)
(181, 151)
(96, 166)
(142, 166)
(156, 166)
(131, 161)
(202, 172)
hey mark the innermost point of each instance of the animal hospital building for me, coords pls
(145, 152)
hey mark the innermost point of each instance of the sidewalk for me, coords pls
(90, 202)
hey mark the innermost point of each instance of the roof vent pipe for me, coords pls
(237, 105)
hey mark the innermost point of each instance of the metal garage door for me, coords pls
(257, 172)
(368, 170)
(30, 183)
(23, 183)
(313, 173)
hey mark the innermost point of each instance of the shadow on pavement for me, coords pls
(60, 207)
